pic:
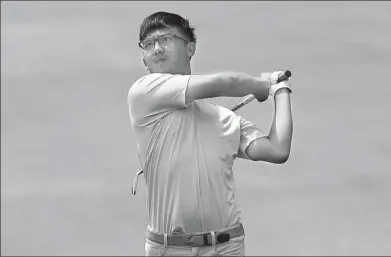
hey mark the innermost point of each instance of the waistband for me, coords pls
(196, 239)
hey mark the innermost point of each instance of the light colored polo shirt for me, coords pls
(187, 152)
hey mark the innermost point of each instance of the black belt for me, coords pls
(197, 239)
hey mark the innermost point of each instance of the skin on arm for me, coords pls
(228, 84)
(275, 148)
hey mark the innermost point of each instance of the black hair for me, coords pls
(161, 20)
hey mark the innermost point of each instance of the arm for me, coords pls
(275, 148)
(229, 84)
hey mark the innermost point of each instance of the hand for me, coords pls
(271, 79)
(275, 76)
(264, 78)
(283, 85)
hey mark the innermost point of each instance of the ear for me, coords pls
(191, 48)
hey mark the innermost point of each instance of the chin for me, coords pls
(162, 70)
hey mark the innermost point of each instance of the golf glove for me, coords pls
(274, 86)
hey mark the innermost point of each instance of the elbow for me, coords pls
(281, 152)
(281, 158)
(275, 158)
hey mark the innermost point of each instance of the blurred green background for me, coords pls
(68, 153)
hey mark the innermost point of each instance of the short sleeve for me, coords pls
(248, 133)
(155, 95)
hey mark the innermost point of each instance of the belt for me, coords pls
(197, 239)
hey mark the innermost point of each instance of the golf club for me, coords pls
(286, 75)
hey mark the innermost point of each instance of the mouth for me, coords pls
(160, 60)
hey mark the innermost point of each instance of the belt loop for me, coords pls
(165, 240)
(213, 238)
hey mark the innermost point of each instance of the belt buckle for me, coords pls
(199, 240)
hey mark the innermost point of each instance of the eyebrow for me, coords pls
(147, 38)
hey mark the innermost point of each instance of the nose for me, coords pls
(157, 48)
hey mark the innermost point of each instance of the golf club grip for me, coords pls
(286, 75)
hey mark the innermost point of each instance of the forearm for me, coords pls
(240, 84)
(281, 131)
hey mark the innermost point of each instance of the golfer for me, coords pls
(188, 145)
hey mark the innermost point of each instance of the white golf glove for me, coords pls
(274, 86)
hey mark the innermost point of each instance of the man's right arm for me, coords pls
(228, 84)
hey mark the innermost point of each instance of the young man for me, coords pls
(187, 145)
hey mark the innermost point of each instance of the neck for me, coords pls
(184, 70)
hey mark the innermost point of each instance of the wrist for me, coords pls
(282, 96)
(282, 87)
(282, 91)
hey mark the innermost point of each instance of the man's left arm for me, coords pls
(275, 147)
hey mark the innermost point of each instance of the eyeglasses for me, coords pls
(165, 40)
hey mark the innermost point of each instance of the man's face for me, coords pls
(167, 56)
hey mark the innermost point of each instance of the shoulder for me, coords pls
(144, 81)
(154, 80)
(139, 87)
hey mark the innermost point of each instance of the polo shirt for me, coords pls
(187, 151)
